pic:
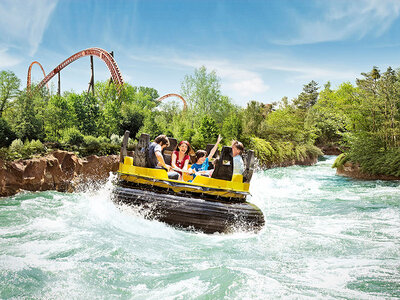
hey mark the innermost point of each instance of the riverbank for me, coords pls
(66, 172)
(59, 170)
(353, 170)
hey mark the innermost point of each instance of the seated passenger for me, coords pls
(202, 163)
(156, 159)
(237, 150)
(180, 158)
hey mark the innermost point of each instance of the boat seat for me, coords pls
(248, 160)
(168, 150)
(216, 154)
(142, 151)
(224, 167)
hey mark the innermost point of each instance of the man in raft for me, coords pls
(156, 159)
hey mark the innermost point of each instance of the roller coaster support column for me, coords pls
(111, 80)
(59, 83)
(91, 83)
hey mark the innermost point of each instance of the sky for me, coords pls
(260, 50)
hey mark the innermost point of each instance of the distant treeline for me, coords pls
(362, 119)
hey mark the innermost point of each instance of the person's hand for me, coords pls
(168, 167)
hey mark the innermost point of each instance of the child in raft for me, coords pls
(202, 163)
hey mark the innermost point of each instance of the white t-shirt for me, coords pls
(238, 165)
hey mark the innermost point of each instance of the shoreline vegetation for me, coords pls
(360, 120)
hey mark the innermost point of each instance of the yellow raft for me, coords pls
(216, 204)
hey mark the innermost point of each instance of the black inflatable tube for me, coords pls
(193, 213)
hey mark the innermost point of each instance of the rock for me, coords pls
(60, 170)
(353, 170)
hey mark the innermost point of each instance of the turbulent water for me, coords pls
(325, 237)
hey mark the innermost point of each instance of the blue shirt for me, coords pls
(201, 167)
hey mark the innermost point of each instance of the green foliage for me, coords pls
(16, 146)
(270, 153)
(340, 160)
(58, 116)
(91, 143)
(72, 136)
(33, 147)
(9, 85)
(87, 112)
(132, 119)
(116, 139)
(6, 134)
(208, 128)
(232, 127)
(18, 149)
(308, 97)
(285, 124)
(25, 124)
(253, 116)
(263, 150)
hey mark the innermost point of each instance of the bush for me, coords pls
(33, 147)
(91, 145)
(17, 146)
(116, 139)
(6, 134)
(103, 140)
(72, 136)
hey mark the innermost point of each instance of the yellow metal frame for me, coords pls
(159, 177)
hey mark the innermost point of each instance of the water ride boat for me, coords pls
(208, 204)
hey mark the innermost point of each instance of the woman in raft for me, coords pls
(180, 158)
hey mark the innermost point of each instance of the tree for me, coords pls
(253, 116)
(87, 113)
(27, 126)
(9, 85)
(233, 126)
(308, 97)
(6, 134)
(202, 93)
(59, 115)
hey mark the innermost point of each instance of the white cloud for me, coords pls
(307, 72)
(234, 77)
(342, 19)
(6, 60)
(23, 23)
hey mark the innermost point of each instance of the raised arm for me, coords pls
(212, 152)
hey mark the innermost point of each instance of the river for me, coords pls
(326, 237)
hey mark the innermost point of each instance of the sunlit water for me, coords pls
(325, 237)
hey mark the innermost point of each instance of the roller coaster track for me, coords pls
(28, 84)
(102, 54)
(174, 95)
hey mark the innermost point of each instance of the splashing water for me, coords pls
(325, 237)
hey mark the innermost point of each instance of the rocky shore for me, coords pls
(293, 162)
(353, 170)
(59, 170)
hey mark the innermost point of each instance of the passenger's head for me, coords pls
(237, 148)
(200, 156)
(184, 146)
(162, 140)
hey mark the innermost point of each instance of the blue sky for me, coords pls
(261, 50)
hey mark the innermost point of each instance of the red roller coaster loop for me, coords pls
(174, 95)
(102, 54)
(28, 83)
